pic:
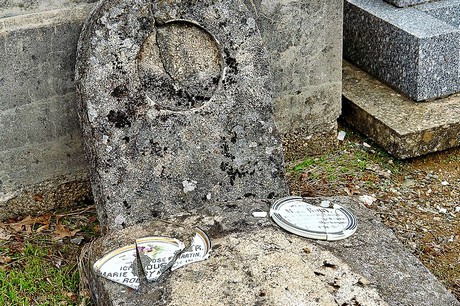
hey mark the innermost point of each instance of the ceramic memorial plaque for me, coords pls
(119, 266)
(157, 254)
(199, 250)
(326, 221)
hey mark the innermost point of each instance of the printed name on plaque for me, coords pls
(199, 250)
(157, 254)
(327, 221)
(120, 266)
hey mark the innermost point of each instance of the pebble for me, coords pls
(341, 135)
(259, 214)
(363, 281)
(408, 183)
(77, 240)
(367, 199)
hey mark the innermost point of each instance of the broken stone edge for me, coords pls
(373, 252)
(376, 253)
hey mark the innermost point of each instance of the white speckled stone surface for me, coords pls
(406, 3)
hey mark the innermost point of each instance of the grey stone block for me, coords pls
(41, 148)
(406, 3)
(409, 49)
(254, 262)
(304, 42)
(400, 126)
(175, 116)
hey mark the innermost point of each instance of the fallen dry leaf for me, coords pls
(70, 295)
(61, 231)
(29, 222)
(5, 260)
(43, 227)
(4, 234)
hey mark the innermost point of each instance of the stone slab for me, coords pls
(376, 254)
(409, 49)
(42, 161)
(164, 135)
(399, 125)
(254, 262)
(304, 42)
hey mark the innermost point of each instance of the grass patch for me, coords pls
(354, 165)
(38, 263)
(34, 278)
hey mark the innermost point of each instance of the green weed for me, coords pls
(32, 277)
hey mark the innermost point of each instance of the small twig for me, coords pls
(76, 212)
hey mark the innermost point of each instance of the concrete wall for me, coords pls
(42, 162)
(10, 8)
(304, 40)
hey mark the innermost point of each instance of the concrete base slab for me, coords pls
(402, 127)
(254, 262)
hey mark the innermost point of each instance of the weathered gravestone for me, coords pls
(176, 111)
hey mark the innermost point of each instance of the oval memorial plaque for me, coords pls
(326, 221)
(119, 266)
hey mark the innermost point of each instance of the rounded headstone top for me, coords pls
(182, 62)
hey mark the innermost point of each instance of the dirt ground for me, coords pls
(419, 198)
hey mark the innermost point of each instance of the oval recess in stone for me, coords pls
(180, 65)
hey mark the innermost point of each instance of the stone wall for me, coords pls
(304, 41)
(10, 8)
(42, 162)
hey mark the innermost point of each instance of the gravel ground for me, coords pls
(419, 199)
